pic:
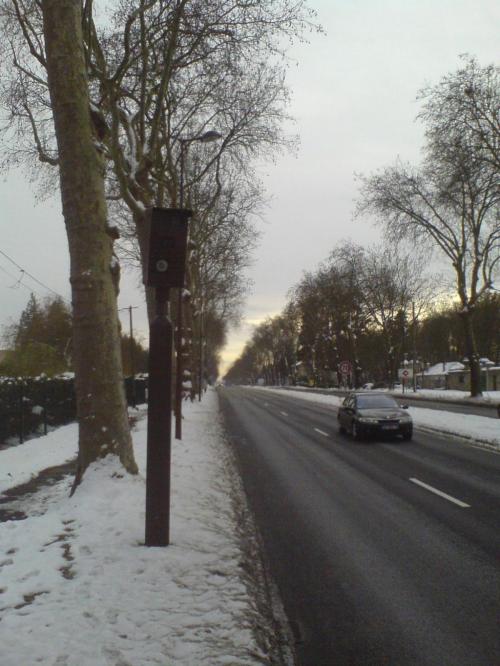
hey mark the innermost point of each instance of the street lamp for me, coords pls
(206, 137)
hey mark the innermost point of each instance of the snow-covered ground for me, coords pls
(79, 588)
(19, 464)
(481, 429)
(487, 397)
(452, 395)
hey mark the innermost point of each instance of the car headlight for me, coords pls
(406, 418)
(367, 419)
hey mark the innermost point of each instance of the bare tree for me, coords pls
(162, 71)
(451, 203)
(102, 410)
(397, 290)
(463, 110)
(354, 307)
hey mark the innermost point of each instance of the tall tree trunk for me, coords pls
(471, 353)
(101, 404)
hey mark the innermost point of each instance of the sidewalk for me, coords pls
(79, 588)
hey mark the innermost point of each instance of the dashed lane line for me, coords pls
(441, 494)
(322, 432)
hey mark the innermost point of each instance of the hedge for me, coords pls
(29, 406)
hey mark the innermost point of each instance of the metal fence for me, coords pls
(30, 406)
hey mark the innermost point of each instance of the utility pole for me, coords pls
(131, 351)
(132, 355)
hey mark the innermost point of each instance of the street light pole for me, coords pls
(207, 137)
(132, 352)
(132, 355)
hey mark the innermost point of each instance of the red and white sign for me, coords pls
(345, 367)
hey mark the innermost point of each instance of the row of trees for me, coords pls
(41, 342)
(450, 203)
(377, 315)
(448, 206)
(109, 94)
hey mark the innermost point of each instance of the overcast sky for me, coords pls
(354, 93)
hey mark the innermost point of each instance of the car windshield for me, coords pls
(375, 402)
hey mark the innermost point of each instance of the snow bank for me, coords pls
(79, 588)
(19, 463)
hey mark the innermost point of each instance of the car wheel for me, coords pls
(407, 436)
(341, 429)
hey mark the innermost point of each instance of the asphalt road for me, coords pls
(384, 552)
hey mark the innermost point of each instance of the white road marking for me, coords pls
(321, 432)
(284, 413)
(441, 494)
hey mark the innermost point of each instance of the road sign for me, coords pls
(406, 373)
(345, 367)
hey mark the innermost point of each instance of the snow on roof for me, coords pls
(445, 368)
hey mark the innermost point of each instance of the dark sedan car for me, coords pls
(364, 414)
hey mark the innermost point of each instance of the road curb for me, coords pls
(478, 443)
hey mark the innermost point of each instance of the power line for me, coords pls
(32, 277)
(18, 283)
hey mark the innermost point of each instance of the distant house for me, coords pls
(436, 377)
(490, 377)
(455, 375)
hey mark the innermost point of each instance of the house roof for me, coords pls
(445, 368)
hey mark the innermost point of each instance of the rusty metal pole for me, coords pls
(159, 424)
(167, 230)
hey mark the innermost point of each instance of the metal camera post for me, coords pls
(167, 234)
